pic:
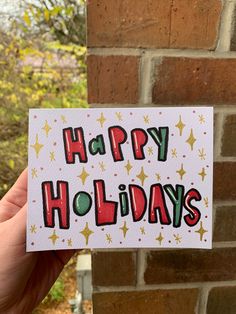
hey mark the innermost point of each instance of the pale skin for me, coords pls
(25, 278)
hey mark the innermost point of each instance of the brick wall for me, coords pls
(161, 53)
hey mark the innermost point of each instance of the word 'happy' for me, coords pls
(75, 145)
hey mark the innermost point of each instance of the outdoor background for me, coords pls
(42, 65)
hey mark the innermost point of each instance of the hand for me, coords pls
(25, 278)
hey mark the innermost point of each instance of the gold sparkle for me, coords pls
(119, 116)
(146, 119)
(109, 238)
(37, 146)
(128, 167)
(34, 173)
(86, 232)
(180, 125)
(46, 128)
(33, 229)
(181, 172)
(52, 156)
(124, 229)
(177, 238)
(101, 120)
(69, 242)
(201, 231)
(142, 176)
(83, 176)
(202, 154)
(53, 237)
(142, 230)
(160, 238)
(201, 118)
(63, 119)
(174, 153)
(150, 150)
(202, 174)
(102, 166)
(191, 139)
(206, 201)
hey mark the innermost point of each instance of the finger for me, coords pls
(15, 198)
(18, 227)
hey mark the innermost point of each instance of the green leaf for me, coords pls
(11, 164)
(27, 19)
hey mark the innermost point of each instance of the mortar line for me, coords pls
(169, 286)
(150, 52)
(225, 29)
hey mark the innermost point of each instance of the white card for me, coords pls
(120, 178)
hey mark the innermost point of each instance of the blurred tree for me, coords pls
(63, 20)
(36, 71)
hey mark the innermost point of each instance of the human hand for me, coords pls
(25, 278)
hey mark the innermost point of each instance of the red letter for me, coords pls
(74, 146)
(157, 202)
(138, 201)
(139, 140)
(59, 203)
(195, 215)
(117, 136)
(106, 211)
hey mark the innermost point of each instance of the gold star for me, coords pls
(201, 118)
(86, 232)
(34, 173)
(142, 230)
(180, 125)
(53, 237)
(124, 229)
(37, 146)
(181, 172)
(160, 238)
(142, 176)
(102, 119)
(109, 239)
(128, 167)
(102, 166)
(202, 154)
(69, 242)
(52, 156)
(146, 119)
(206, 202)
(150, 151)
(119, 116)
(202, 174)
(177, 238)
(174, 153)
(33, 229)
(191, 140)
(63, 119)
(46, 128)
(83, 176)
(201, 231)
(158, 177)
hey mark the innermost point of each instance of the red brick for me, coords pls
(180, 266)
(182, 301)
(221, 300)
(155, 24)
(229, 137)
(113, 79)
(203, 81)
(224, 181)
(114, 268)
(225, 224)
